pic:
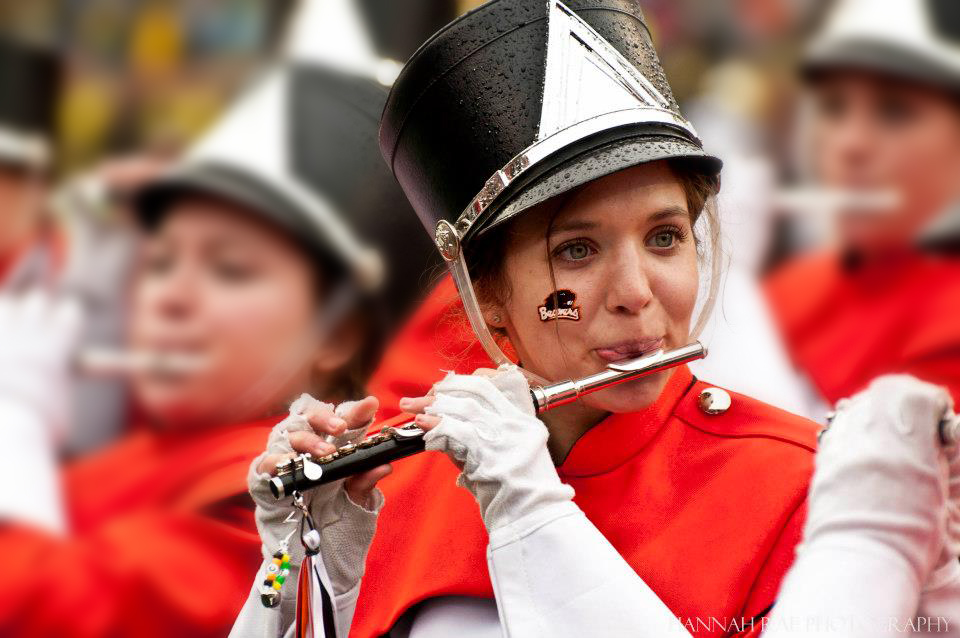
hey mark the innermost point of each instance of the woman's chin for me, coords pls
(633, 396)
(176, 407)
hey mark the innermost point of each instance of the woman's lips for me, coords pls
(629, 349)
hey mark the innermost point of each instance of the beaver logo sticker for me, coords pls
(559, 305)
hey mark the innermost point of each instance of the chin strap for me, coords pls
(449, 245)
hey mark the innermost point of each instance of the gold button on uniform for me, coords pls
(714, 401)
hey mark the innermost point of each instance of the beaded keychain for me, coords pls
(279, 567)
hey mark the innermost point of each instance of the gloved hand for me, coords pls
(880, 472)
(951, 532)
(38, 336)
(488, 425)
(876, 515)
(345, 512)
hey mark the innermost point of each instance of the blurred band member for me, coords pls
(884, 77)
(281, 253)
(29, 97)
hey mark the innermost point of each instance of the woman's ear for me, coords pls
(494, 316)
(342, 345)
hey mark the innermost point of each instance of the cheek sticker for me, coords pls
(560, 305)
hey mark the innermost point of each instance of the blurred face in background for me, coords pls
(220, 284)
(876, 133)
(21, 194)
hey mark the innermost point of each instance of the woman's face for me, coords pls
(880, 134)
(221, 285)
(623, 246)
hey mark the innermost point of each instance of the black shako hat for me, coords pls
(300, 150)
(30, 83)
(521, 100)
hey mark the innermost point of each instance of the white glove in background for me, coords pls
(37, 339)
(346, 531)
(939, 610)
(876, 516)
(38, 334)
(553, 572)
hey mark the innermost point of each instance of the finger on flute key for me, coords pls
(416, 405)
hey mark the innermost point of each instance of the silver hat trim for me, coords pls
(547, 147)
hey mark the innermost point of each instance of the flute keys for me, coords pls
(714, 401)
(409, 432)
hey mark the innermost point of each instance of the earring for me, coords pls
(497, 319)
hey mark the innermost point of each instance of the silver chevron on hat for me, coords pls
(586, 76)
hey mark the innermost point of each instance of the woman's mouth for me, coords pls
(629, 349)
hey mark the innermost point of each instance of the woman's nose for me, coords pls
(628, 286)
(176, 296)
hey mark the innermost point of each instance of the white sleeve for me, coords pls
(554, 574)
(28, 469)
(850, 590)
(445, 616)
(939, 610)
(257, 621)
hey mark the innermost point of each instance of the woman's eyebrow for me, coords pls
(574, 224)
(583, 224)
(670, 211)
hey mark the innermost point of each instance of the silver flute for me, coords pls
(392, 443)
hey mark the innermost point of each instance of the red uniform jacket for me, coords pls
(164, 542)
(707, 509)
(844, 327)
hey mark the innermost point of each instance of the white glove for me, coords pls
(553, 572)
(876, 515)
(488, 424)
(951, 539)
(939, 610)
(37, 338)
(346, 529)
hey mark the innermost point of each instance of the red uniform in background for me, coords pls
(436, 339)
(163, 542)
(845, 326)
(706, 508)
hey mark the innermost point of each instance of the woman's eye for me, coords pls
(663, 239)
(233, 272)
(575, 251)
(157, 264)
(894, 112)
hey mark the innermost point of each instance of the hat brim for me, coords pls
(878, 57)
(599, 162)
(152, 203)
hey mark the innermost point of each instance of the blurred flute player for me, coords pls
(884, 78)
(30, 85)
(278, 261)
(572, 189)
